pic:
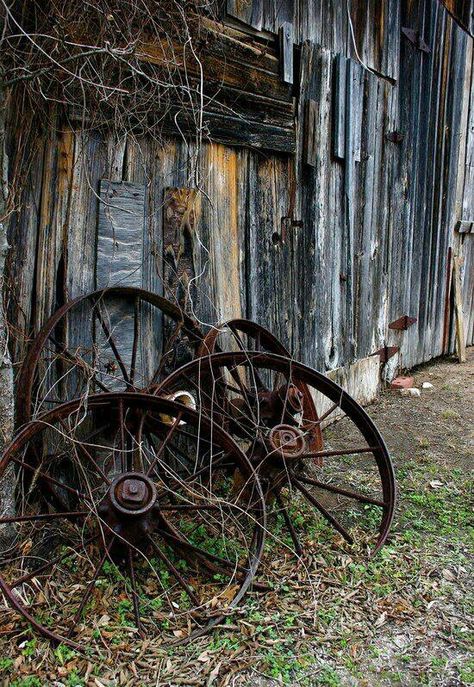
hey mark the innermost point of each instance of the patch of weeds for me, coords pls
(466, 672)
(117, 639)
(156, 604)
(73, 680)
(353, 667)
(124, 606)
(165, 579)
(30, 681)
(112, 571)
(184, 601)
(63, 654)
(224, 643)
(328, 677)
(6, 665)
(280, 665)
(30, 648)
(449, 414)
(44, 619)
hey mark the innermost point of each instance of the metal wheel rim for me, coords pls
(162, 405)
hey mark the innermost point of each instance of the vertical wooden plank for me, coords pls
(222, 234)
(310, 147)
(120, 231)
(89, 165)
(339, 106)
(120, 234)
(286, 52)
(22, 239)
(458, 309)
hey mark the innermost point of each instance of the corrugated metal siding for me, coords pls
(376, 225)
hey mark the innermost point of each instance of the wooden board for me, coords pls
(120, 234)
(458, 309)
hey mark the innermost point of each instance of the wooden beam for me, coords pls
(457, 286)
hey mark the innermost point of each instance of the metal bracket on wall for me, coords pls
(288, 223)
(386, 352)
(415, 38)
(402, 323)
(465, 226)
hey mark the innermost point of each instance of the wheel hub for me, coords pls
(288, 441)
(132, 493)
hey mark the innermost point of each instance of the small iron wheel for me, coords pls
(116, 339)
(129, 520)
(281, 414)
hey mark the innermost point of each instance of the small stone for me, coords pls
(410, 392)
(448, 575)
(436, 484)
(427, 385)
(402, 383)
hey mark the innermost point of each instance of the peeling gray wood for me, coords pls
(286, 52)
(120, 234)
(339, 106)
(120, 237)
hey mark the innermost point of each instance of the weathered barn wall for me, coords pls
(326, 246)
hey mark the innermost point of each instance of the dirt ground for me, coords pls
(333, 619)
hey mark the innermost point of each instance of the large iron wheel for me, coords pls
(129, 520)
(115, 339)
(277, 409)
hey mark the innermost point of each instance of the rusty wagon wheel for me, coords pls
(114, 339)
(129, 521)
(277, 409)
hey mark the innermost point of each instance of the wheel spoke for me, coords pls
(332, 520)
(135, 596)
(176, 574)
(42, 516)
(84, 451)
(112, 344)
(79, 363)
(198, 507)
(51, 480)
(185, 480)
(164, 443)
(327, 413)
(289, 524)
(341, 452)
(343, 492)
(45, 566)
(136, 334)
(90, 587)
(169, 344)
(201, 552)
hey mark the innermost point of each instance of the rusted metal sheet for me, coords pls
(402, 323)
